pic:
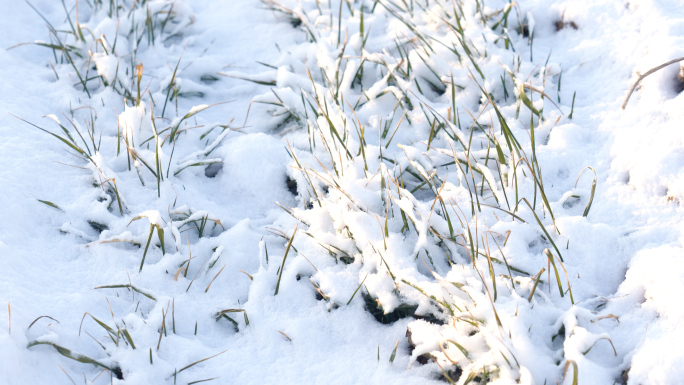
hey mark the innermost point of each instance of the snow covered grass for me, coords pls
(118, 36)
(423, 155)
(425, 246)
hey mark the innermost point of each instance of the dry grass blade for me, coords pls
(357, 289)
(70, 354)
(50, 204)
(602, 338)
(71, 144)
(202, 360)
(552, 262)
(129, 286)
(394, 352)
(536, 282)
(285, 335)
(461, 348)
(529, 87)
(128, 337)
(197, 163)
(217, 274)
(253, 80)
(205, 380)
(67, 374)
(223, 313)
(104, 325)
(193, 278)
(282, 266)
(160, 234)
(575, 372)
(162, 328)
(172, 82)
(641, 77)
(593, 189)
(432, 297)
(541, 225)
(36, 320)
(142, 262)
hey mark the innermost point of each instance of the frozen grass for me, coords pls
(413, 129)
(140, 25)
(418, 209)
(489, 167)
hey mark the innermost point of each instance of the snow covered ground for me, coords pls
(430, 225)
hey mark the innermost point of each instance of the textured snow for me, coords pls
(624, 261)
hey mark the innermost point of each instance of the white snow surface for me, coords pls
(262, 99)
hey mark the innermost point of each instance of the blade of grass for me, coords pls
(357, 289)
(593, 189)
(282, 266)
(536, 282)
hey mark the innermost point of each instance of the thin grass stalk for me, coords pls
(282, 266)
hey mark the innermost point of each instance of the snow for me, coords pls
(404, 184)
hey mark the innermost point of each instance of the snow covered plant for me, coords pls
(414, 151)
(415, 132)
(105, 53)
(105, 50)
